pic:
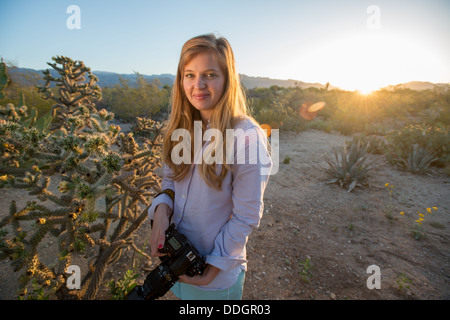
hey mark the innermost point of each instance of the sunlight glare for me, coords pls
(368, 62)
(365, 91)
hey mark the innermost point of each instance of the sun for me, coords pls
(364, 87)
(366, 90)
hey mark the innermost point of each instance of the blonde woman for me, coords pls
(215, 204)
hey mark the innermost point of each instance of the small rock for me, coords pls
(332, 296)
(147, 266)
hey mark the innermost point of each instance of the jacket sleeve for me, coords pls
(248, 185)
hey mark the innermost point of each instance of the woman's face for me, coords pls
(203, 83)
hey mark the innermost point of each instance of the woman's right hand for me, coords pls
(160, 225)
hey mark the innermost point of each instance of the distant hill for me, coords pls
(261, 82)
(29, 77)
(422, 85)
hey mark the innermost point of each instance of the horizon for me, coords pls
(261, 77)
(353, 45)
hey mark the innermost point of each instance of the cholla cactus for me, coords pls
(75, 95)
(102, 176)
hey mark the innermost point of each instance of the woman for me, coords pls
(215, 204)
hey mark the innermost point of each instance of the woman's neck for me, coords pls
(206, 117)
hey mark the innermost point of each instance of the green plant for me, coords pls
(119, 289)
(348, 168)
(305, 268)
(418, 146)
(39, 291)
(76, 95)
(419, 159)
(143, 99)
(103, 177)
(389, 211)
(3, 78)
(287, 160)
(403, 282)
(28, 118)
(417, 231)
(374, 144)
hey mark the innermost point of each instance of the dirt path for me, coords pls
(316, 240)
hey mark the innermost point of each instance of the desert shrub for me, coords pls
(350, 112)
(146, 99)
(348, 122)
(280, 107)
(430, 139)
(103, 177)
(15, 93)
(320, 124)
(281, 116)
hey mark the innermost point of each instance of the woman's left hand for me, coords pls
(208, 275)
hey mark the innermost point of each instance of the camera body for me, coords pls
(182, 258)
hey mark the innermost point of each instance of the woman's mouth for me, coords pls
(201, 96)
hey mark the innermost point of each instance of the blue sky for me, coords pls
(311, 41)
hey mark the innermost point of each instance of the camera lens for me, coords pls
(157, 283)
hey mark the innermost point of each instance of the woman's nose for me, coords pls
(199, 83)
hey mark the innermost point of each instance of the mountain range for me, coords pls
(29, 77)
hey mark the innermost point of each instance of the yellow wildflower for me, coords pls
(3, 178)
(429, 210)
(402, 213)
(387, 184)
(435, 208)
(421, 215)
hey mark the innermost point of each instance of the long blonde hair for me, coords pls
(229, 110)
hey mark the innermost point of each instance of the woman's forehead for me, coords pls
(202, 60)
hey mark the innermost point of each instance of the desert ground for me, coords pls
(317, 241)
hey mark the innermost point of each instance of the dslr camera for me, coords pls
(182, 258)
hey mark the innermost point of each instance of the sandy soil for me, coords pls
(316, 240)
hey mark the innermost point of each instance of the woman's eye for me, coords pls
(210, 75)
(189, 75)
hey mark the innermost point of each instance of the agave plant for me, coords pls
(375, 144)
(419, 159)
(349, 167)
